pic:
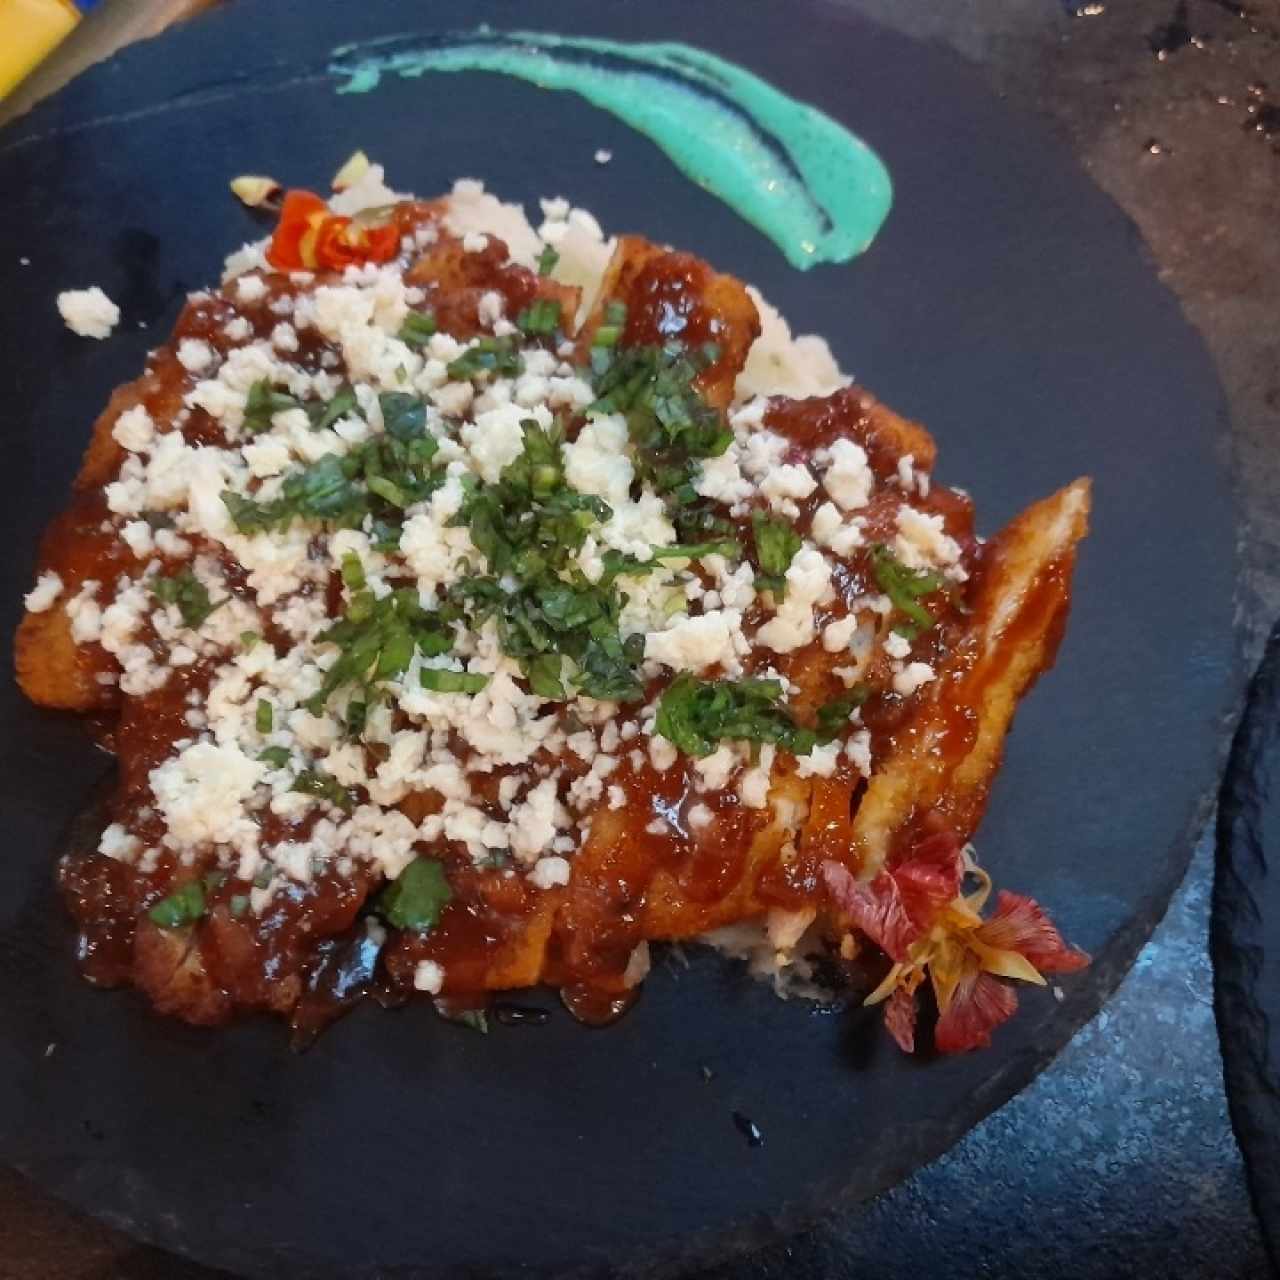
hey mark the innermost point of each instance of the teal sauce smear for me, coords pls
(818, 192)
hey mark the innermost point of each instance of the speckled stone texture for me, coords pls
(1119, 1159)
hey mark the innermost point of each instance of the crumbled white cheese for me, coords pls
(88, 312)
(195, 355)
(428, 976)
(693, 644)
(250, 288)
(549, 872)
(134, 429)
(837, 635)
(912, 677)
(808, 585)
(922, 542)
(848, 477)
(42, 596)
(896, 645)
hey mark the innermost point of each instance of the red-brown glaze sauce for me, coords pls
(310, 953)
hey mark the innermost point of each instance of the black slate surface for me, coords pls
(1153, 1176)
(1246, 937)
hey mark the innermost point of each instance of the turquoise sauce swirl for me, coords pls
(800, 177)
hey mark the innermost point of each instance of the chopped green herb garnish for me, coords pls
(418, 329)
(540, 319)
(442, 680)
(189, 594)
(248, 639)
(378, 638)
(727, 547)
(263, 718)
(416, 897)
(776, 545)
(528, 527)
(547, 260)
(238, 904)
(352, 571)
(543, 674)
(905, 586)
(696, 715)
(669, 423)
(324, 414)
(404, 416)
(609, 331)
(313, 782)
(496, 356)
(262, 403)
(357, 715)
(374, 481)
(276, 757)
(833, 716)
(183, 906)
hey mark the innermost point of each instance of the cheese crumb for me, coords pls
(47, 589)
(429, 977)
(912, 677)
(88, 312)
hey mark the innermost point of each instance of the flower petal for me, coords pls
(950, 962)
(1006, 964)
(1019, 924)
(979, 1005)
(929, 877)
(875, 907)
(900, 1018)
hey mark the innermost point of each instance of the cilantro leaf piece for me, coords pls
(264, 717)
(442, 680)
(403, 415)
(668, 422)
(904, 586)
(494, 356)
(187, 592)
(262, 403)
(416, 897)
(378, 638)
(609, 331)
(378, 479)
(776, 545)
(547, 260)
(607, 667)
(540, 319)
(833, 716)
(352, 571)
(418, 328)
(314, 782)
(727, 547)
(324, 413)
(543, 674)
(276, 757)
(696, 715)
(183, 906)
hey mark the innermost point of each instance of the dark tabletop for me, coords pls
(1119, 1160)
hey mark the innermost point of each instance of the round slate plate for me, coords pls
(1007, 304)
(1246, 918)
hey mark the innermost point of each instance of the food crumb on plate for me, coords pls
(88, 312)
(603, 156)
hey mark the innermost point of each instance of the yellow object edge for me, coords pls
(29, 31)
